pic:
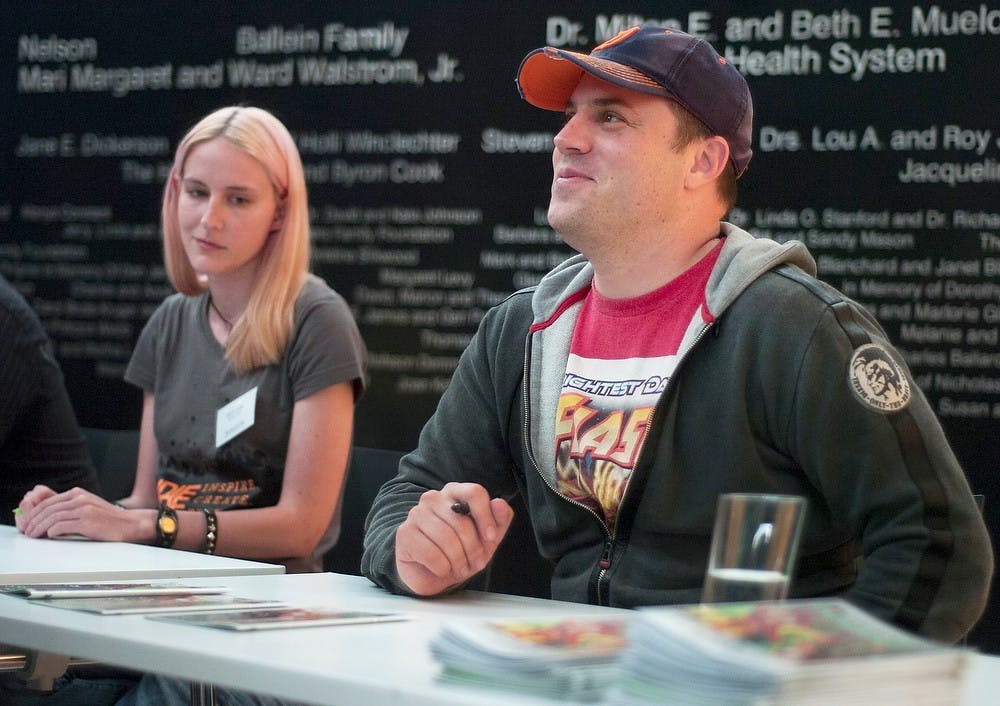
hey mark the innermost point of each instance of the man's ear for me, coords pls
(711, 159)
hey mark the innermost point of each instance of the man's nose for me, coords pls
(572, 137)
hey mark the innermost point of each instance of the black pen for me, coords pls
(461, 507)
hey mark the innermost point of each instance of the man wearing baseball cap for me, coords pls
(674, 359)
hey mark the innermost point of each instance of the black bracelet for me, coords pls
(211, 530)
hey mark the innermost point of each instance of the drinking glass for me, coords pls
(755, 543)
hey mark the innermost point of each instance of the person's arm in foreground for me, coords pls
(414, 542)
(438, 547)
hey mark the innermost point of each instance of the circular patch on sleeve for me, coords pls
(878, 380)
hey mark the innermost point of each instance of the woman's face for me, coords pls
(226, 208)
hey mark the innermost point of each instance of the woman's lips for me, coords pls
(207, 244)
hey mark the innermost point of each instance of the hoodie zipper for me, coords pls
(610, 533)
(605, 561)
(534, 462)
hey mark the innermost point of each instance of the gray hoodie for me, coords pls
(793, 388)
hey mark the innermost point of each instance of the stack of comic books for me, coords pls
(563, 658)
(814, 652)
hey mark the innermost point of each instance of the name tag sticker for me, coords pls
(235, 417)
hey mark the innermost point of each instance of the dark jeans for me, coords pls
(121, 689)
(70, 689)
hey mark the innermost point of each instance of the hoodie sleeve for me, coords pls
(873, 446)
(466, 440)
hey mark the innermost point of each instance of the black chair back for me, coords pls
(114, 453)
(369, 469)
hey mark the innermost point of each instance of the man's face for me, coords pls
(615, 171)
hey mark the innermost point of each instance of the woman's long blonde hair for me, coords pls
(260, 335)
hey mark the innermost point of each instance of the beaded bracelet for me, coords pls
(211, 530)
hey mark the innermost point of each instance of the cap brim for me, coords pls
(548, 77)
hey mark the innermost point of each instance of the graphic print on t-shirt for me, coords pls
(623, 354)
(601, 424)
(236, 476)
(219, 495)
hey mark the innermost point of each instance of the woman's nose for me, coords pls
(213, 216)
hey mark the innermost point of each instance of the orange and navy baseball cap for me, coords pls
(657, 60)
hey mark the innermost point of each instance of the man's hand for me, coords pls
(438, 547)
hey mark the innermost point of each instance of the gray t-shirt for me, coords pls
(178, 359)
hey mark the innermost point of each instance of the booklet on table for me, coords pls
(133, 605)
(279, 617)
(98, 589)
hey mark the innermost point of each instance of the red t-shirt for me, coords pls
(622, 355)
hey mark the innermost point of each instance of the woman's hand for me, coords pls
(45, 513)
(25, 508)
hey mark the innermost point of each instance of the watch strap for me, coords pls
(166, 526)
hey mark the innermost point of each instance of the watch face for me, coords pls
(168, 525)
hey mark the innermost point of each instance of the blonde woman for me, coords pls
(249, 373)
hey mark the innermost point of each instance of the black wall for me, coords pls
(876, 143)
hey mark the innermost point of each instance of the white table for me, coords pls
(27, 560)
(353, 665)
